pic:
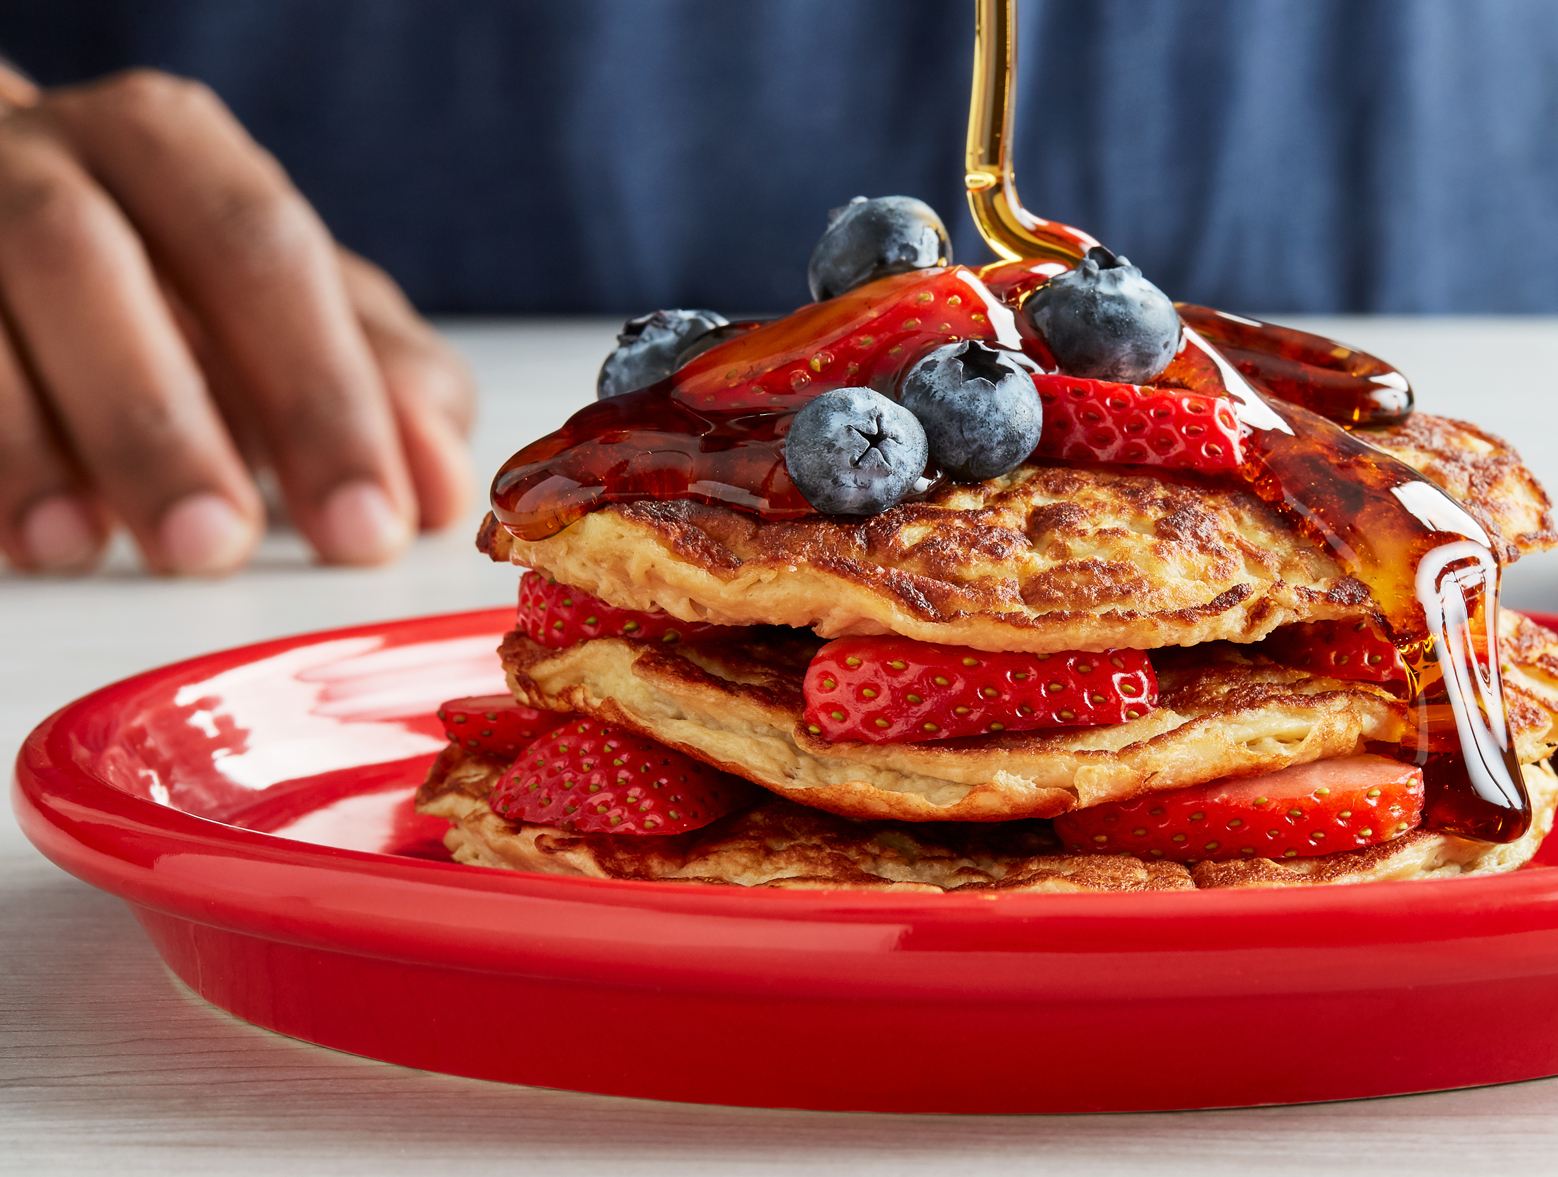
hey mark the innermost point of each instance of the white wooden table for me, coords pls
(108, 1066)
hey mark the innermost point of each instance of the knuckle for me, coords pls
(140, 441)
(436, 378)
(259, 229)
(135, 439)
(25, 465)
(320, 438)
(376, 285)
(318, 421)
(46, 210)
(152, 97)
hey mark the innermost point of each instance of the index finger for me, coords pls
(259, 269)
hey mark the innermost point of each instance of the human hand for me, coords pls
(175, 314)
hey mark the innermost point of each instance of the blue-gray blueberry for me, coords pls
(978, 406)
(852, 451)
(1103, 320)
(868, 239)
(649, 347)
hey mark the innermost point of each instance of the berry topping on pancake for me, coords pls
(1303, 811)
(1103, 319)
(1341, 649)
(869, 239)
(495, 725)
(594, 777)
(978, 406)
(651, 347)
(1099, 421)
(886, 690)
(852, 451)
(554, 615)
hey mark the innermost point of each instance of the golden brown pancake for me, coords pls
(1045, 558)
(1223, 711)
(780, 844)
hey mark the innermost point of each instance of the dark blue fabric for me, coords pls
(497, 155)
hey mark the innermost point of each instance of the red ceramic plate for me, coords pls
(253, 807)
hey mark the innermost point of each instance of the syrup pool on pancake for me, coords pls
(910, 376)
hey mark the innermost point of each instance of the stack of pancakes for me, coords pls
(1043, 559)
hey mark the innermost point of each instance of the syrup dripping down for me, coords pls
(714, 432)
(1007, 227)
(1432, 574)
(1389, 526)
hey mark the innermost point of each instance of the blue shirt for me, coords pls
(617, 155)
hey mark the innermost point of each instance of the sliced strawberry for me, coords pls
(1340, 649)
(1299, 812)
(890, 689)
(865, 337)
(554, 615)
(495, 724)
(1100, 421)
(592, 777)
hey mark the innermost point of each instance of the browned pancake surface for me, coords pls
(1223, 711)
(1045, 558)
(780, 844)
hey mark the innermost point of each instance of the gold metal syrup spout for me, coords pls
(1008, 228)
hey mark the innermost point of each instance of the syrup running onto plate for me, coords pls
(714, 432)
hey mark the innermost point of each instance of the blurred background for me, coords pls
(504, 156)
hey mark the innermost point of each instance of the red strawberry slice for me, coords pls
(592, 777)
(554, 615)
(1341, 649)
(863, 338)
(1100, 421)
(891, 689)
(1299, 812)
(495, 724)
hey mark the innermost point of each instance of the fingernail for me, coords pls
(59, 535)
(203, 535)
(359, 526)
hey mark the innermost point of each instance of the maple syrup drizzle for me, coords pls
(714, 431)
(1433, 576)
(1427, 562)
(1340, 383)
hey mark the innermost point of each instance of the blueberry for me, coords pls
(648, 348)
(721, 334)
(1104, 320)
(978, 406)
(868, 239)
(852, 451)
